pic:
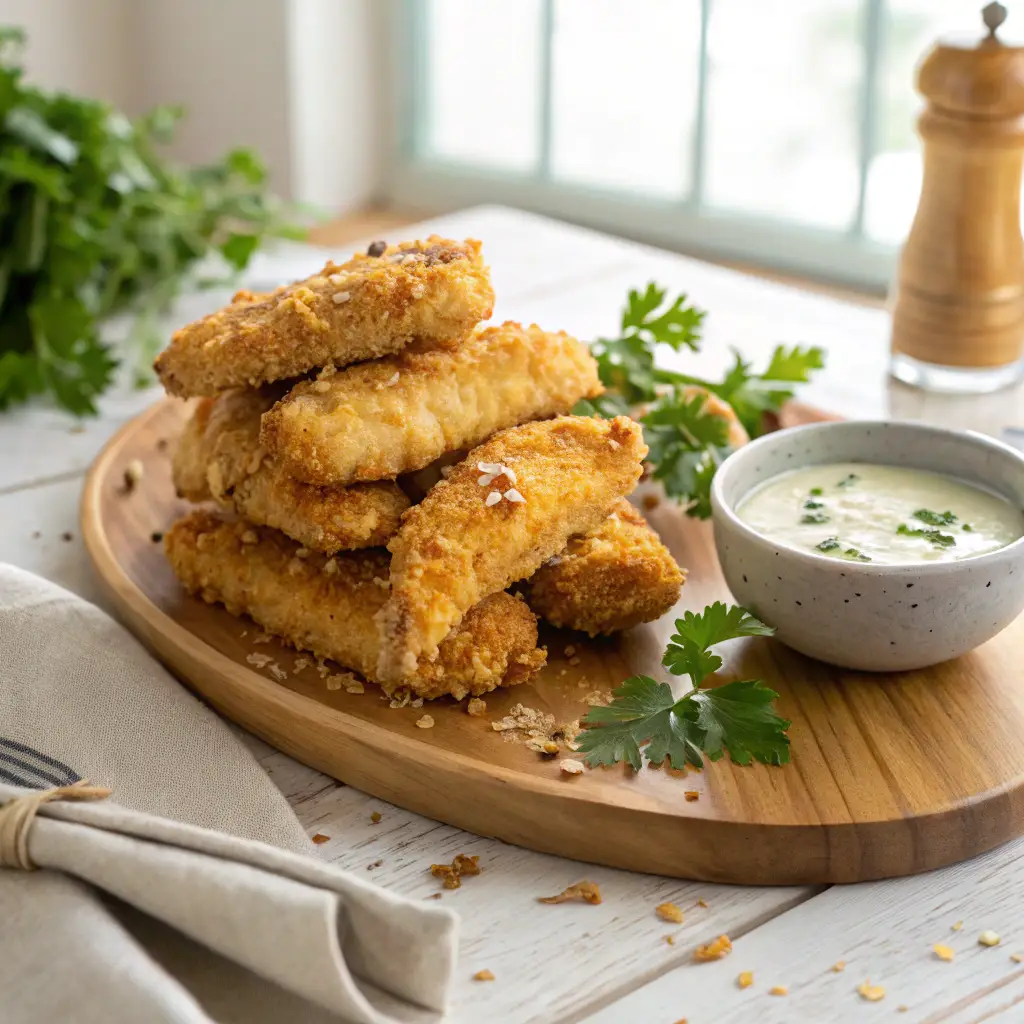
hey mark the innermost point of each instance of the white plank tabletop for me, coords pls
(613, 963)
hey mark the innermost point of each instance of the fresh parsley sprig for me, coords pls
(687, 439)
(647, 721)
(95, 221)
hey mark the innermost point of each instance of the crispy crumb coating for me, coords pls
(328, 606)
(453, 549)
(368, 307)
(614, 577)
(219, 456)
(396, 415)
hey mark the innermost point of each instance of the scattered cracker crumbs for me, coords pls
(570, 766)
(958, 926)
(426, 722)
(714, 950)
(779, 990)
(574, 661)
(277, 672)
(400, 698)
(133, 473)
(484, 975)
(943, 952)
(1017, 958)
(569, 650)
(67, 536)
(598, 698)
(433, 896)
(872, 993)
(355, 686)
(588, 892)
(320, 838)
(746, 979)
(262, 638)
(838, 967)
(669, 912)
(691, 795)
(702, 903)
(650, 501)
(988, 938)
(374, 864)
(299, 665)
(375, 818)
(669, 939)
(476, 707)
(902, 1009)
(334, 682)
(156, 536)
(452, 874)
(258, 660)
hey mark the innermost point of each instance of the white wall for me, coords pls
(303, 82)
(76, 45)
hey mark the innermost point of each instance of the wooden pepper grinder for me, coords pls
(958, 309)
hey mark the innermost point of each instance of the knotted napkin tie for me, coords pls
(17, 815)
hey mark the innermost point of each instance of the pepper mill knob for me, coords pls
(993, 14)
(958, 304)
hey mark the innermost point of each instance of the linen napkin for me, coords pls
(167, 902)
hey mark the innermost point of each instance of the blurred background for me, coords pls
(777, 134)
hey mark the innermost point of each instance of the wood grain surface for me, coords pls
(890, 774)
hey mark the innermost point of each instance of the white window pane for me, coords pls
(482, 81)
(624, 93)
(894, 177)
(784, 109)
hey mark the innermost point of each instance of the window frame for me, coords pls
(420, 179)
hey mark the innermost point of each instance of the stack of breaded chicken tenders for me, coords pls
(385, 468)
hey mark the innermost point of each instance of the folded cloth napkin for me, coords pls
(159, 903)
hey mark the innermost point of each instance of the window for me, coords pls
(777, 132)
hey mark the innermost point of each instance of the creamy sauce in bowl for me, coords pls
(886, 515)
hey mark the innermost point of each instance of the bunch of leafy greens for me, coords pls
(738, 716)
(687, 439)
(93, 222)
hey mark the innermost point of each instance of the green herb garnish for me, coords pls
(848, 481)
(93, 221)
(856, 555)
(816, 492)
(935, 537)
(646, 721)
(814, 518)
(687, 440)
(829, 544)
(811, 503)
(967, 528)
(935, 518)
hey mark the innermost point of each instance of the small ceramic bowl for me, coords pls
(879, 618)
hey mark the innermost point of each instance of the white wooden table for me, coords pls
(612, 963)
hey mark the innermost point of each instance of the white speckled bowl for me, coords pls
(880, 618)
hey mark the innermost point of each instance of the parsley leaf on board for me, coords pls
(687, 439)
(93, 222)
(646, 721)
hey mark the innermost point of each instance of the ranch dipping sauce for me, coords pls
(886, 515)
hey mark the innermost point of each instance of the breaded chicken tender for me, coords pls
(614, 577)
(512, 504)
(396, 415)
(327, 606)
(737, 435)
(373, 305)
(219, 457)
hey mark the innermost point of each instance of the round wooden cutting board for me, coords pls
(890, 774)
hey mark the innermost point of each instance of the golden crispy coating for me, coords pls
(614, 577)
(219, 456)
(328, 605)
(396, 415)
(370, 306)
(512, 504)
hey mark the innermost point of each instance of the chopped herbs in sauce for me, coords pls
(816, 492)
(848, 481)
(935, 537)
(811, 503)
(967, 528)
(926, 515)
(829, 544)
(855, 555)
(814, 518)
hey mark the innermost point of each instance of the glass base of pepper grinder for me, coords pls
(954, 380)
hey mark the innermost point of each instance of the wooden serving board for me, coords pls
(890, 774)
